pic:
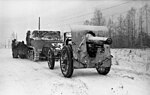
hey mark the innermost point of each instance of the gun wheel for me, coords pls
(103, 70)
(51, 59)
(66, 62)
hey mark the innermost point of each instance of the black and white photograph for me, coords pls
(74, 47)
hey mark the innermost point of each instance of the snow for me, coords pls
(137, 60)
(129, 75)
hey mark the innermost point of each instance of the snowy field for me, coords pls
(129, 75)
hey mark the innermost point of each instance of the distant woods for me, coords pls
(130, 30)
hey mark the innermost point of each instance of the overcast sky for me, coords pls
(21, 15)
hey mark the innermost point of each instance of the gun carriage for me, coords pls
(88, 49)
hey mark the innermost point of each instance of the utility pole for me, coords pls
(5, 44)
(39, 24)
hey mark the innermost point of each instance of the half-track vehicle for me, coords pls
(42, 43)
(39, 45)
(89, 48)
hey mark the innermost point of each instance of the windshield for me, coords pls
(52, 35)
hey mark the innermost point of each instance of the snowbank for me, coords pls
(137, 60)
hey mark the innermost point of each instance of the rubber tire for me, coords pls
(69, 71)
(103, 70)
(51, 62)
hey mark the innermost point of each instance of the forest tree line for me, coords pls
(127, 31)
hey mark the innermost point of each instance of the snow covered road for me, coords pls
(24, 77)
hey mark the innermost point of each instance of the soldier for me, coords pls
(13, 44)
(14, 48)
(28, 38)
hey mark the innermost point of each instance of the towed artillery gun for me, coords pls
(87, 49)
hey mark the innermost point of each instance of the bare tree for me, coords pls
(141, 26)
(97, 19)
(87, 22)
(129, 31)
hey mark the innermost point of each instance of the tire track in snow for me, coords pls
(68, 87)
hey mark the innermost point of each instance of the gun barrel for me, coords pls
(104, 40)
